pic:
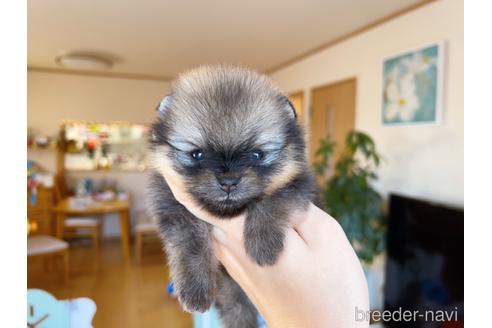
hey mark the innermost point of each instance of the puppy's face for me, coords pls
(229, 135)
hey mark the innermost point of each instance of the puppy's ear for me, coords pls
(164, 105)
(289, 107)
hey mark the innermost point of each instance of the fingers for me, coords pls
(231, 239)
(230, 248)
(306, 224)
(227, 254)
(315, 226)
(237, 265)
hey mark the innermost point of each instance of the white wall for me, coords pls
(54, 97)
(421, 161)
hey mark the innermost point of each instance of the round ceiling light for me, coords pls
(84, 62)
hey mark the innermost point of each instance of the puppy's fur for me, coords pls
(232, 137)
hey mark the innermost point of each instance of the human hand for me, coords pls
(316, 282)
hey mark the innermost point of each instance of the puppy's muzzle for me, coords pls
(228, 183)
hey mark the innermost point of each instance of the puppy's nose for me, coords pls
(228, 184)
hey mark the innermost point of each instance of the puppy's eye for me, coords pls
(197, 155)
(257, 155)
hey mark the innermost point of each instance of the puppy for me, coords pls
(232, 137)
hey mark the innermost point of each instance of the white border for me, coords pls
(13, 32)
(478, 175)
(441, 46)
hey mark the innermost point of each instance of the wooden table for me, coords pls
(120, 207)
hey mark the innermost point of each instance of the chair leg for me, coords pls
(95, 238)
(99, 231)
(66, 266)
(138, 246)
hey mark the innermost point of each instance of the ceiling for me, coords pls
(162, 38)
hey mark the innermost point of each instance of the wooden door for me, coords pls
(297, 100)
(332, 113)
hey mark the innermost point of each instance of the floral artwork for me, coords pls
(412, 85)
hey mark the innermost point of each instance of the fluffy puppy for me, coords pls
(232, 137)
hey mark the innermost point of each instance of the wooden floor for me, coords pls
(126, 295)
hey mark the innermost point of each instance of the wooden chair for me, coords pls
(47, 247)
(40, 242)
(83, 227)
(41, 212)
(144, 228)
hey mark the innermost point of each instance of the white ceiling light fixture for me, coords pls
(84, 62)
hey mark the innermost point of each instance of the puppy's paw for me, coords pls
(264, 246)
(196, 295)
(194, 300)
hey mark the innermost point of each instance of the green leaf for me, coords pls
(348, 195)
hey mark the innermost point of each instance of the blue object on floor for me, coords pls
(210, 319)
(170, 288)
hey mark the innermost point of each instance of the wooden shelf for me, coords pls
(104, 170)
(36, 148)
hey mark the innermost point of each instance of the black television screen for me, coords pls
(424, 268)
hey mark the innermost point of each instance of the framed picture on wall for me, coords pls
(412, 86)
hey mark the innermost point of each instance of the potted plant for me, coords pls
(349, 197)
